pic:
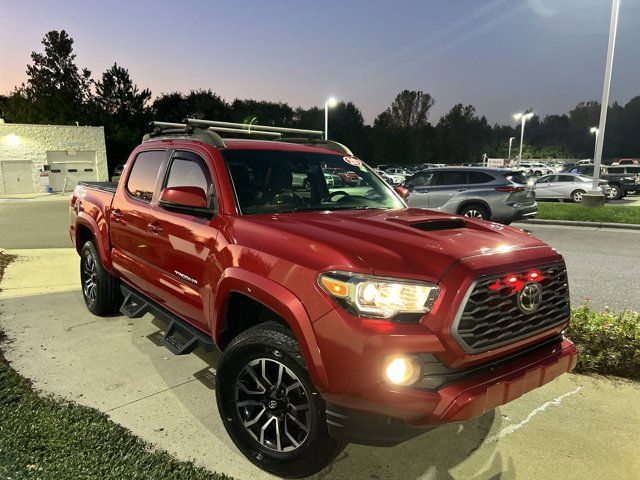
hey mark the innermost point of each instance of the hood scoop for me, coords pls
(439, 224)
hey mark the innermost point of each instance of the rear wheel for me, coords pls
(269, 406)
(577, 196)
(475, 211)
(100, 290)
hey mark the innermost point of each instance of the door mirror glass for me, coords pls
(193, 197)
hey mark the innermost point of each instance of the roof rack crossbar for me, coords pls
(245, 132)
(250, 128)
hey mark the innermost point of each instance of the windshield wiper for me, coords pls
(330, 209)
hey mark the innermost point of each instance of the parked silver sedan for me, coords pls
(565, 186)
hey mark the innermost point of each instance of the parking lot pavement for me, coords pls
(574, 427)
(34, 224)
(602, 263)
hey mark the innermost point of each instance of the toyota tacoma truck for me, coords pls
(342, 315)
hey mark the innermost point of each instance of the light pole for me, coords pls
(510, 142)
(598, 199)
(330, 103)
(595, 131)
(523, 117)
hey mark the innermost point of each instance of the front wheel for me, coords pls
(100, 290)
(577, 196)
(269, 406)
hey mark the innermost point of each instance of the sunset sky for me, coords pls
(499, 55)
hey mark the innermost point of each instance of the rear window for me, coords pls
(142, 181)
(516, 177)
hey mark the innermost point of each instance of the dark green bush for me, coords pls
(608, 341)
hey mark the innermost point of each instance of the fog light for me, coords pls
(402, 370)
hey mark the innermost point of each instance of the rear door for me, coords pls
(182, 246)
(447, 190)
(564, 186)
(130, 218)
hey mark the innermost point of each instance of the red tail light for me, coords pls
(72, 200)
(510, 189)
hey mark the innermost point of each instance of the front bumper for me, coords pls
(461, 400)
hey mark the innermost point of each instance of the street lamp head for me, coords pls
(331, 102)
(521, 116)
(594, 129)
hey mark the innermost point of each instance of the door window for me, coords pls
(189, 170)
(547, 179)
(565, 178)
(142, 181)
(476, 178)
(421, 179)
(449, 178)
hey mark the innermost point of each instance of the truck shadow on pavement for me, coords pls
(433, 455)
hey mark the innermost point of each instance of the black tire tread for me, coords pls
(109, 296)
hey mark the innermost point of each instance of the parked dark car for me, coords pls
(501, 195)
(622, 179)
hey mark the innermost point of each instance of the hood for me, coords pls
(411, 242)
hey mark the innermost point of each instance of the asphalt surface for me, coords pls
(34, 224)
(603, 264)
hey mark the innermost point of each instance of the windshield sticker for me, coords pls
(353, 161)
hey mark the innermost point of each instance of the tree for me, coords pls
(56, 90)
(462, 135)
(262, 112)
(116, 94)
(202, 104)
(122, 109)
(410, 109)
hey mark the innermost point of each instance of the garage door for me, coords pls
(17, 177)
(69, 168)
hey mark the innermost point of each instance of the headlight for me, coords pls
(379, 297)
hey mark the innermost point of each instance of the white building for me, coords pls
(34, 157)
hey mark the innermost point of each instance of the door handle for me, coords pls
(155, 228)
(117, 216)
(462, 190)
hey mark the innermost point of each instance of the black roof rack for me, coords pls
(207, 132)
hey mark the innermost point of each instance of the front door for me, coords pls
(182, 246)
(130, 218)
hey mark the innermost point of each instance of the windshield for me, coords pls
(271, 181)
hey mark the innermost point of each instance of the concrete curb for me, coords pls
(573, 223)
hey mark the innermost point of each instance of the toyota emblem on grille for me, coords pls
(530, 298)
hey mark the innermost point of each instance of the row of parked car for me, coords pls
(507, 194)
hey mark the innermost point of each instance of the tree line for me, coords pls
(57, 91)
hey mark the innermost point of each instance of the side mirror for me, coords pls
(402, 191)
(191, 200)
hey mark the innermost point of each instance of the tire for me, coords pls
(100, 290)
(475, 211)
(273, 347)
(616, 192)
(576, 196)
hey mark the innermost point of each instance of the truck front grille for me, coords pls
(491, 318)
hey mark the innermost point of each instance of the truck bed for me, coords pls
(104, 186)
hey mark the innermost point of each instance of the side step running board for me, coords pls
(180, 337)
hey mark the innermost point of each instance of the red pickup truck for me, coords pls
(343, 316)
